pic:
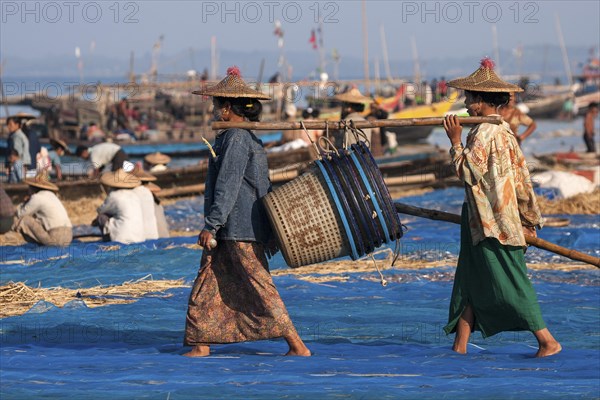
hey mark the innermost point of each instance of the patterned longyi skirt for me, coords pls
(234, 299)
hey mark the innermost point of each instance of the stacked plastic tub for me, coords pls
(340, 207)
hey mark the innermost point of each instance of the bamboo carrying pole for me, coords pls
(380, 123)
(534, 241)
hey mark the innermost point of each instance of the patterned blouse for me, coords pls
(499, 193)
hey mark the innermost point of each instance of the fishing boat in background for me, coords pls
(414, 134)
(413, 166)
(547, 107)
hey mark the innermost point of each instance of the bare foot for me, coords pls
(460, 349)
(303, 352)
(296, 345)
(549, 350)
(198, 351)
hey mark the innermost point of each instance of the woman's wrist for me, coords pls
(210, 230)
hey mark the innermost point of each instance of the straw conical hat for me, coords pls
(157, 158)
(232, 86)
(41, 181)
(60, 143)
(22, 115)
(142, 175)
(353, 96)
(120, 179)
(484, 80)
(154, 188)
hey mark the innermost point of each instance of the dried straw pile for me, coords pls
(338, 270)
(16, 298)
(83, 211)
(584, 203)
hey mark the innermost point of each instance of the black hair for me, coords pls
(80, 149)
(16, 120)
(492, 98)
(592, 104)
(242, 106)
(14, 152)
(356, 107)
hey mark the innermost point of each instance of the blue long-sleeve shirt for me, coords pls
(238, 177)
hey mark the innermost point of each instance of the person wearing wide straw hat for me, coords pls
(147, 203)
(492, 292)
(233, 298)
(353, 106)
(59, 149)
(120, 217)
(42, 218)
(159, 212)
(156, 162)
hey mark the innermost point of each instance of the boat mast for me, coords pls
(417, 67)
(386, 60)
(496, 49)
(131, 73)
(377, 75)
(2, 89)
(213, 58)
(563, 49)
(365, 46)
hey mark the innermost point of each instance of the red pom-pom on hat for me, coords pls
(487, 63)
(234, 71)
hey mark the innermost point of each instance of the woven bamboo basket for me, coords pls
(308, 227)
(340, 207)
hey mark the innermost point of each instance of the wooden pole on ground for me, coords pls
(534, 241)
(381, 123)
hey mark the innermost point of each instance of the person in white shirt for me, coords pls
(147, 203)
(120, 217)
(161, 221)
(101, 155)
(42, 218)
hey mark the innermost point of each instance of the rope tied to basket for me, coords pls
(330, 147)
(315, 146)
(359, 134)
(381, 278)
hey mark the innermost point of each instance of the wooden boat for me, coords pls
(582, 101)
(185, 147)
(415, 169)
(547, 107)
(184, 176)
(419, 133)
(410, 135)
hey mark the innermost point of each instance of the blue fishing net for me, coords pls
(368, 341)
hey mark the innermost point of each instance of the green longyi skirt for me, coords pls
(492, 278)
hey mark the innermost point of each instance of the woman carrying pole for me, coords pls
(233, 298)
(492, 292)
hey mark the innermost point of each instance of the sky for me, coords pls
(34, 30)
